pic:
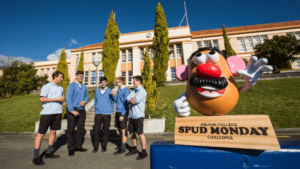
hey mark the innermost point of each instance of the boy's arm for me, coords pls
(69, 95)
(138, 98)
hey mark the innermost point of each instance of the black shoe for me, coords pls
(51, 155)
(134, 151)
(120, 151)
(95, 150)
(117, 148)
(38, 161)
(71, 153)
(103, 149)
(142, 155)
(80, 149)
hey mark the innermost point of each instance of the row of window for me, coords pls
(48, 70)
(208, 43)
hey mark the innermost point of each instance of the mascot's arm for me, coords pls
(253, 71)
(181, 108)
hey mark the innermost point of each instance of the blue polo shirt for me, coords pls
(139, 95)
(50, 91)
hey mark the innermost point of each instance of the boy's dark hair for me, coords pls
(56, 74)
(103, 79)
(79, 73)
(138, 78)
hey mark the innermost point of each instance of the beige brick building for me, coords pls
(183, 42)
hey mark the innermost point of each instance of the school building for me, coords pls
(183, 43)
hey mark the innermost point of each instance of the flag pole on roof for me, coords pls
(185, 15)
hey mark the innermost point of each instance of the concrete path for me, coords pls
(16, 151)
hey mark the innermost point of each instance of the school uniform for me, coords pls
(122, 107)
(51, 113)
(137, 113)
(104, 106)
(76, 93)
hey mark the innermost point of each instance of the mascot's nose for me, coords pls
(208, 71)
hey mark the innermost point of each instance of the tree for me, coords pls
(62, 66)
(228, 49)
(161, 46)
(20, 79)
(149, 85)
(80, 64)
(279, 51)
(110, 50)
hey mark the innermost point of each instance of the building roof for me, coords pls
(219, 32)
(247, 29)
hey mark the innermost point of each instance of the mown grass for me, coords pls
(280, 99)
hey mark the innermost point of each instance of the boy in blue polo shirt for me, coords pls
(136, 118)
(77, 96)
(121, 112)
(104, 106)
(52, 101)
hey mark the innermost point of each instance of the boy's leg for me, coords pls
(97, 127)
(133, 137)
(140, 131)
(71, 119)
(106, 125)
(80, 130)
(54, 125)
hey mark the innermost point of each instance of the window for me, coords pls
(199, 44)
(93, 78)
(86, 77)
(150, 52)
(241, 44)
(178, 50)
(124, 77)
(100, 74)
(130, 55)
(171, 48)
(99, 55)
(93, 56)
(47, 71)
(54, 69)
(123, 56)
(207, 43)
(296, 34)
(216, 44)
(298, 63)
(42, 71)
(247, 44)
(142, 57)
(173, 76)
(129, 77)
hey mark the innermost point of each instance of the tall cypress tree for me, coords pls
(110, 52)
(228, 49)
(80, 64)
(161, 46)
(62, 66)
(149, 85)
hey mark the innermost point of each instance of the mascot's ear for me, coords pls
(182, 72)
(235, 63)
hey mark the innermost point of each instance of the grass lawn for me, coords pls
(280, 99)
(20, 113)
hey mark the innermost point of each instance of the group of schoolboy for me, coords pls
(52, 99)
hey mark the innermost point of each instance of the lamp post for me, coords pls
(96, 62)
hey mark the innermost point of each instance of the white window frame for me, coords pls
(178, 51)
(173, 75)
(123, 74)
(123, 56)
(42, 70)
(130, 78)
(151, 52)
(294, 34)
(86, 77)
(199, 44)
(212, 43)
(243, 43)
(142, 55)
(172, 55)
(129, 55)
(53, 70)
(100, 74)
(297, 63)
(93, 56)
(216, 45)
(93, 82)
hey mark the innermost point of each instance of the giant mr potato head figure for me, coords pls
(211, 88)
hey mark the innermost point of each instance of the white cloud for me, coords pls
(56, 54)
(73, 41)
(8, 60)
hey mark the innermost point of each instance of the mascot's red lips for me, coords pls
(201, 90)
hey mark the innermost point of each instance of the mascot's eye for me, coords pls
(200, 58)
(213, 56)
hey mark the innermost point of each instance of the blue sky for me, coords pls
(37, 29)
